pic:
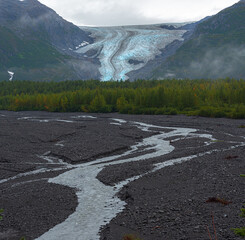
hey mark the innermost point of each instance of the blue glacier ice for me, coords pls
(115, 46)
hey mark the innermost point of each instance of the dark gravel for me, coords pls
(168, 204)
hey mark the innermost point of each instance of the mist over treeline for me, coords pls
(225, 61)
(209, 98)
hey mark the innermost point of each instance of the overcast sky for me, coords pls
(129, 12)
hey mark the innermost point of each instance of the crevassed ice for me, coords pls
(115, 46)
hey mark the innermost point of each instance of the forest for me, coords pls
(208, 98)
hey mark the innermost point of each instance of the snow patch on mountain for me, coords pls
(84, 43)
(11, 74)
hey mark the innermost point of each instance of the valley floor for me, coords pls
(41, 153)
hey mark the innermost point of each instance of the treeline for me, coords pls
(218, 98)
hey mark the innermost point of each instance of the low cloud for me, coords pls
(226, 61)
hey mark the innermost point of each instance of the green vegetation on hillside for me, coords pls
(30, 58)
(220, 98)
(26, 54)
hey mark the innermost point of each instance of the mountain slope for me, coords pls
(215, 50)
(37, 44)
(31, 59)
(17, 52)
(33, 20)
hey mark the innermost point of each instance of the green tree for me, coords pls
(98, 104)
(122, 105)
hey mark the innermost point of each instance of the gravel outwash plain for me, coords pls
(170, 203)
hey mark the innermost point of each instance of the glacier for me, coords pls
(123, 49)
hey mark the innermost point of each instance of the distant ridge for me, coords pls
(215, 50)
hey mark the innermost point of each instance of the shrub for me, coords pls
(238, 112)
(211, 112)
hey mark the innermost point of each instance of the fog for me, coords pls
(226, 61)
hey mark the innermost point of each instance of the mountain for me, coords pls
(37, 44)
(35, 41)
(215, 50)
